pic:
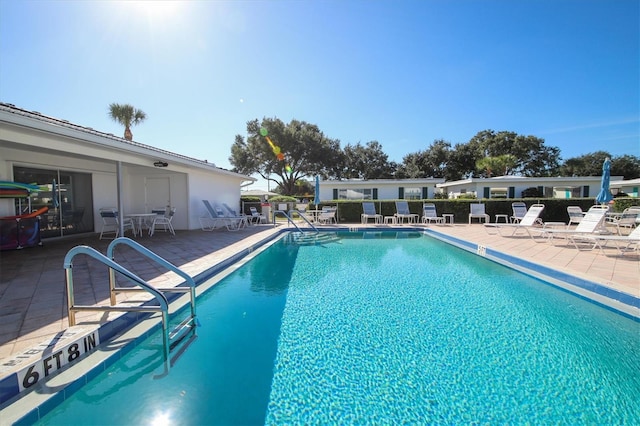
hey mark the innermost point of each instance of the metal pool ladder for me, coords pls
(290, 219)
(170, 338)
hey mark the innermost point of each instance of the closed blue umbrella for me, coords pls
(316, 200)
(604, 196)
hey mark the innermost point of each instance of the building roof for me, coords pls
(502, 180)
(621, 183)
(349, 182)
(9, 113)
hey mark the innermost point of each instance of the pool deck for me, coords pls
(32, 280)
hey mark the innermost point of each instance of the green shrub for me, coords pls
(467, 196)
(532, 192)
(619, 204)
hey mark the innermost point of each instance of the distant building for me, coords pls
(512, 186)
(378, 189)
(629, 187)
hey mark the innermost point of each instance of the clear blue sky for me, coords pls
(404, 73)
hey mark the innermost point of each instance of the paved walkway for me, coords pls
(32, 282)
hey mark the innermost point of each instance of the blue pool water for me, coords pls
(370, 331)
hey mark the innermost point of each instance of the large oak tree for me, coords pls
(305, 152)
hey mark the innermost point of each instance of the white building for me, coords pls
(87, 169)
(630, 187)
(378, 189)
(512, 186)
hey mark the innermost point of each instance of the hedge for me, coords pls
(555, 209)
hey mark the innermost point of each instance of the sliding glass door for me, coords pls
(67, 195)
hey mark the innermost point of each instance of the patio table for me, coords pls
(141, 219)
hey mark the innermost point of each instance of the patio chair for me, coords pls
(575, 215)
(369, 212)
(111, 223)
(163, 220)
(327, 216)
(477, 212)
(430, 215)
(519, 209)
(211, 222)
(402, 213)
(257, 217)
(526, 222)
(628, 219)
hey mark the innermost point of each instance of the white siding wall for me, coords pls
(202, 186)
(186, 191)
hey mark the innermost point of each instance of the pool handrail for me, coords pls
(187, 325)
(191, 285)
(72, 308)
(290, 219)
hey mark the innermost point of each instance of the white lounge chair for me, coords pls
(628, 219)
(403, 212)
(591, 223)
(622, 242)
(232, 214)
(527, 222)
(430, 215)
(369, 212)
(215, 219)
(477, 212)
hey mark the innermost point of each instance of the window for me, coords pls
(413, 193)
(498, 193)
(548, 192)
(355, 194)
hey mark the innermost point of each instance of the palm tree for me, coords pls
(128, 116)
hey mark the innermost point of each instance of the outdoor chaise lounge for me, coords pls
(216, 219)
(622, 242)
(628, 219)
(369, 212)
(243, 220)
(430, 215)
(526, 222)
(591, 223)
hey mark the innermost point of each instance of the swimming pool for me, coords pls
(397, 328)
